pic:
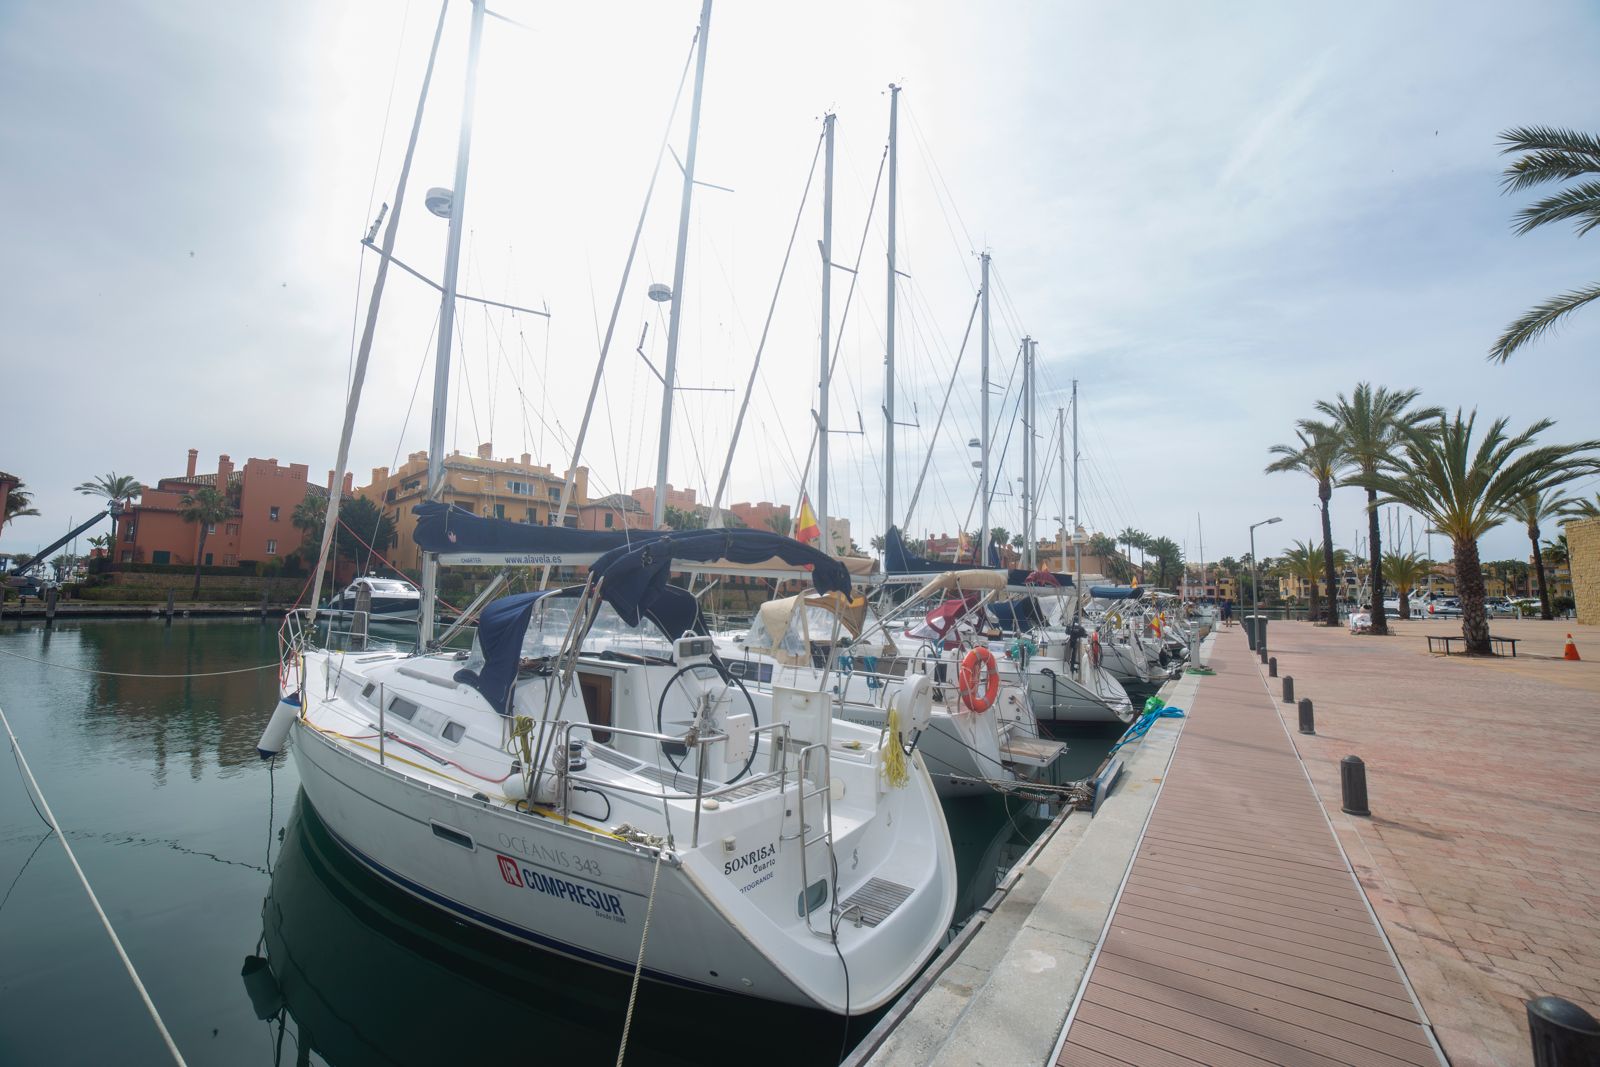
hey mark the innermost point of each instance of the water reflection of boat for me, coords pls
(359, 964)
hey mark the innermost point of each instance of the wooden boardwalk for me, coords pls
(1241, 936)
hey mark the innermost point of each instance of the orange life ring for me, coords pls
(968, 676)
(1094, 648)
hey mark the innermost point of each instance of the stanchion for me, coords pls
(1308, 721)
(1272, 666)
(1353, 786)
(1288, 689)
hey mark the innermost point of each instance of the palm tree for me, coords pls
(1169, 560)
(1320, 454)
(309, 516)
(1555, 550)
(1531, 509)
(1305, 560)
(19, 504)
(1463, 487)
(1550, 155)
(206, 506)
(1406, 570)
(365, 530)
(1586, 509)
(115, 488)
(1135, 539)
(779, 524)
(1370, 424)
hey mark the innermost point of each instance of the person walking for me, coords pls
(1227, 613)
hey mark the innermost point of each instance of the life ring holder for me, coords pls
(968, 675)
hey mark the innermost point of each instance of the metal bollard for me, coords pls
(1563, 1034)
(1263, 651)
(1288, 689)
(1272, 666)
(1308, 721)
(1353, 786)
(50, 596)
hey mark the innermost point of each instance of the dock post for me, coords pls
(171, 596)
(1263, 652)
(265, 590)
(50, 596)
(1272, 666)
(363, 613)
(1563, 1034)
(1288, 689)
(1353, 786)
(1308, 721)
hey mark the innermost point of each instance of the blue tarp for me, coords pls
(1116, 592)
(1017, 615)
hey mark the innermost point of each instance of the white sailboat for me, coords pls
(572, 793)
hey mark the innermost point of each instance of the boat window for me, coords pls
(402, 707)
(453, 732)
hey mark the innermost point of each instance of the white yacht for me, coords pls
(392, 599)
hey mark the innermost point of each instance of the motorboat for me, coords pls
(390, 599)
(559, 794)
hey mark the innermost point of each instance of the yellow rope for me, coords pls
(894, 757)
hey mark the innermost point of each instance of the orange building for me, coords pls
(682, 499)
(519, 490)
(759, 516)
(263, 496)
(619, 511)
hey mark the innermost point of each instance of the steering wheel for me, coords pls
(700, 685)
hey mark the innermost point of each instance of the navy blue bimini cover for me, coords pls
(1017, 615)
(1116, 592)
(636, 587)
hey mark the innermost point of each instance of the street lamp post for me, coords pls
(1255, 581)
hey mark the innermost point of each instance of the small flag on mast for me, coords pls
(806, 529)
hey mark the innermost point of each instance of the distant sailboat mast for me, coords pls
(983, 436)
(827, 312)
(888, 359)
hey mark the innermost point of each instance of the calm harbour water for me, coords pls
(203, 855)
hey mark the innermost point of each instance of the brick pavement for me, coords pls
(1482, 855)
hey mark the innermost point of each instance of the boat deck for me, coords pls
(1240, 935)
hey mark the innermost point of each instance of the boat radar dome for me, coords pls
(660, 293)
(440, 201)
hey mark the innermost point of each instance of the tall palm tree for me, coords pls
(1134, 538)
(1370, 424)
(115, 488)
(1556, 551)
(1319, 453)
(207, 507)
(1531, 509)
(1169, 560)
(1305, 560)
(1550, 155)
(1463, 487)
(1406, 570)
(1586, 509)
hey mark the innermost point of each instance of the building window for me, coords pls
(272, 547)
(128, 532)
(609, 518)
(520, 488)
(272, 515)
(499, 511)
(232, 529)
(211, 528)
(555, 494)
(528, 517)
(127, 555)
(208, 559)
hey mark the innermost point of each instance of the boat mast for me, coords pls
(888, 360)
(983, 438)
(827, 293)
(1061, 438)
(447, 314)
(1029, 505)
(669, 373)
(1077, 558)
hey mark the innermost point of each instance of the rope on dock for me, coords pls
(122, 953)
(130, 674)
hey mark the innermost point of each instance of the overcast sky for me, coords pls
(1210, 215)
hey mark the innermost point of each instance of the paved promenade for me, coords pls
(1241, 935)
(1482, 855)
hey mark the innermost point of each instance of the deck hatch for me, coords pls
(875, 901)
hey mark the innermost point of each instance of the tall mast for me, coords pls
(983, 438)
(447, 316)
(827, 321)
(675, 316)
(1029, 505)
(1077, 560)
(888, 360)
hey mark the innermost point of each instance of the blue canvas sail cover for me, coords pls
(898, 559)
(1116, 592)
(635, 586)
(465, 539)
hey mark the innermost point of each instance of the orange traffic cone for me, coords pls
(1571, 651)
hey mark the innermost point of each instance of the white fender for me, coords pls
(277, 730)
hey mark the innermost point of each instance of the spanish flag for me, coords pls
(806, 529)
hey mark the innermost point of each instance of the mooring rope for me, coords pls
(644, 935)
(130, 674)
(122, 953)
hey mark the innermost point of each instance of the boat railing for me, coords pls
(778, 768)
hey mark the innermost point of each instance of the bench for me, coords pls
(1497, 643)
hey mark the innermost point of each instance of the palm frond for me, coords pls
(1540, 320)
(1546, 165)
(1551, 139)
(1581, 201)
